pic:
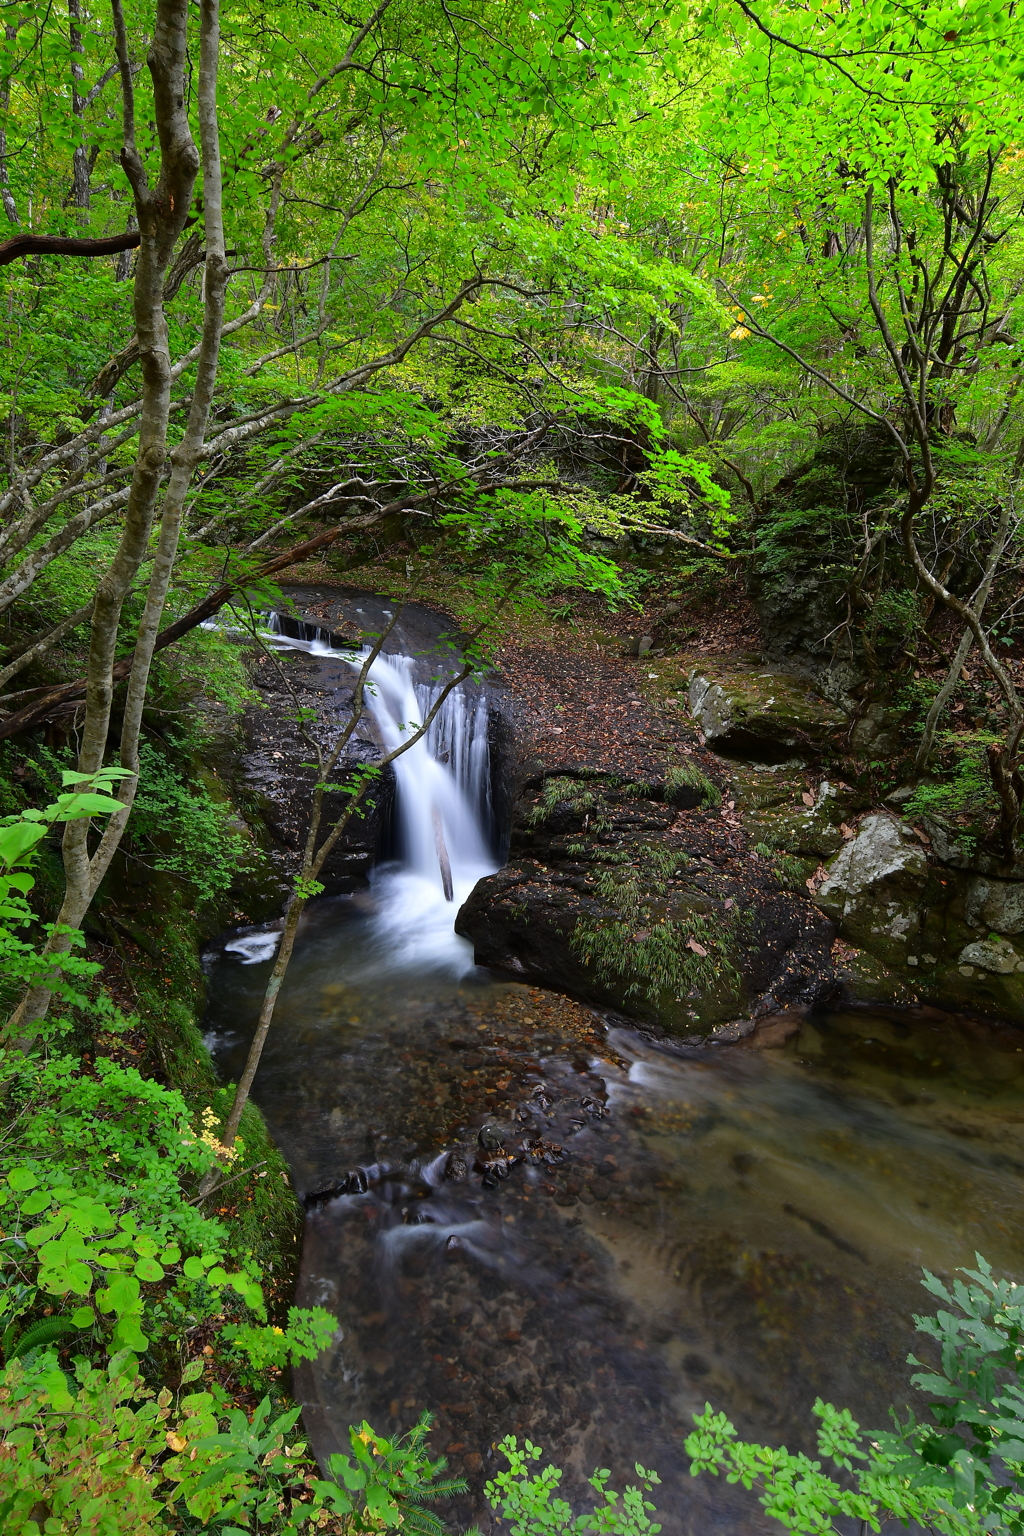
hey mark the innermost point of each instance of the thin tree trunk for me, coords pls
(6, 195)
(186, 455)
(162, 211)
(43, 642)
(963, 650)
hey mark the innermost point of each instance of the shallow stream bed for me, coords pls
(531, 1224)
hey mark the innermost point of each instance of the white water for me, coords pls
(442, 802)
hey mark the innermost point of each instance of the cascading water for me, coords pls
(442, 806)
(530, 1227)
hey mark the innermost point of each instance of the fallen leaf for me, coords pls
(728, 904)
(847, 832)
(806, 798)
(644, 933)
(698, 949)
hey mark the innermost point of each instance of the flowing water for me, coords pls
(533, 1225)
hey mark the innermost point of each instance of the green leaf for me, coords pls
(148, 1269)
(18, 841)
(122, 1363)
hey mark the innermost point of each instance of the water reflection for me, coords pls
(582, 1238)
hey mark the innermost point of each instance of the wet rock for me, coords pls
(767, 716)
(770, 1034)
(779, 814)
(595, 902)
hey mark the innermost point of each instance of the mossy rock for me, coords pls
(794, 826)
(764, 717)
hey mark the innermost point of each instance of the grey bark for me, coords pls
(161, 211)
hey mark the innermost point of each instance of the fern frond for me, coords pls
(46, 1331)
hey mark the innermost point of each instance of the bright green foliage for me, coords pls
(204, 851)
(20, 836)
(23, 963)
(961, 1475)
(964, 794)
(529, 1501)
(92, 1453)
(98, 1217)
(690, 775)
(388, 1482)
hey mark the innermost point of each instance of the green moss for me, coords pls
(788, 869)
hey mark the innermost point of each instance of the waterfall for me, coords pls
(442, 806)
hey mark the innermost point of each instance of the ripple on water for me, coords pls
(640, 1232)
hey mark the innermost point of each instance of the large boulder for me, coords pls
(915, 924)
(811, 825)
(875, 887)
(766, 717)
(627, 901)
(996, 904)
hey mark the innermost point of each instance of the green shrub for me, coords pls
(962, 1474)
(966, 793)
(89, 1454)
(178, 827)
(531, 1505)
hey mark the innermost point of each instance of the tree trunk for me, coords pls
(162, 211)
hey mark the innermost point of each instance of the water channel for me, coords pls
(532, 1224)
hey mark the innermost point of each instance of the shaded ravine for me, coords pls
(530, 1224)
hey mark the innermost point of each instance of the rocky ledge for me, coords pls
(712, 866)
(637, 895)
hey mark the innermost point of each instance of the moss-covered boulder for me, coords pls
(765, 717)
(627, 900)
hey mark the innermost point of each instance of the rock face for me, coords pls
(996, 904)
(626, 902)
(808, 541)
(274, 782)
(764, 716)
(881, 871)
(274, 778)
(915, 922)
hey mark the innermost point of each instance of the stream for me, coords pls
(531, 1223)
